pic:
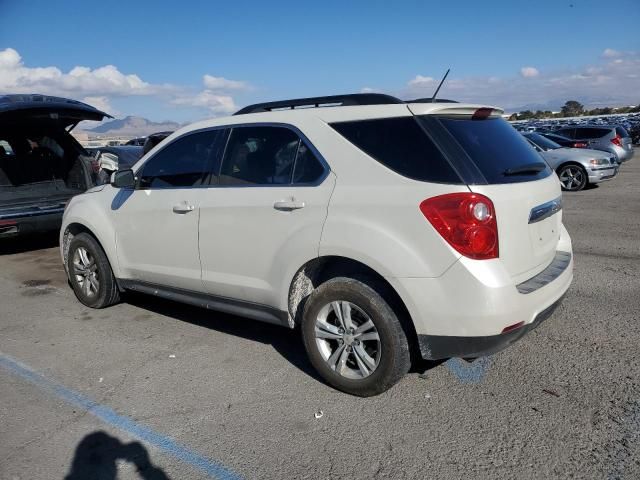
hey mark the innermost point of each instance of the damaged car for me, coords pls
(41, 165)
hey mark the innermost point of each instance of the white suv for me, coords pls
(386, 230)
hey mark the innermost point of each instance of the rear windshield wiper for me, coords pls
(528, 169)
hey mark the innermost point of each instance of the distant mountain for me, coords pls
(131, 126)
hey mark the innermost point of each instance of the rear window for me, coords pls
(501, 153)
(589, 132)
(401, 145)
(567, 132)
(542, 142)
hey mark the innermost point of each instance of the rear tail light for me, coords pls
(4, 223)
(579, 145)
(617, 140)
(467, 221)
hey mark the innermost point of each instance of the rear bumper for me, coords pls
(464, 311)
(623, 154)
(437, 347)
(22, 225)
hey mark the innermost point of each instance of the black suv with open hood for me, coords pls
(41, 165)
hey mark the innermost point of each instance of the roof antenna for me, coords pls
(433, 99)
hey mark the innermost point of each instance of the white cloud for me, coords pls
(9, 58)
(15, 77)
(216, 104)
(419, 80)
(609, 81)
(101, 103)
(369, 90)
(611, 53)
(528, 72)
(223, 84)
(100, 86)
(215, 97)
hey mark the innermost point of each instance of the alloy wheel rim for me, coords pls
(85, 271)
(347, 340)
(571, 178)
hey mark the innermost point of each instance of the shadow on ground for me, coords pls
(286, 342)
(97, 456)
(28, 243)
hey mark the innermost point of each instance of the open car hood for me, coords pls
(63, 110)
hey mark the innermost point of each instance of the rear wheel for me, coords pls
(572, 177)
(353, 337)
(90, 273)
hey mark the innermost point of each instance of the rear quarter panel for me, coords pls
(374, 215)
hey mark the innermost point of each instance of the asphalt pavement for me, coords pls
(152, 389)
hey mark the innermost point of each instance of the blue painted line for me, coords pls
(469, 372)
(110, 417)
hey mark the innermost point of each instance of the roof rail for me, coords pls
(333, 101)
(430, 100)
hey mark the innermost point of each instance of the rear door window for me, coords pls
(401, 145)
(259, 156)
(308, 168)
(500, 153)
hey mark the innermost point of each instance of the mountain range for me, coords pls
(131, 126)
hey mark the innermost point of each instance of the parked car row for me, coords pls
(613, 139)
(581, 154)
(614, 133)
(576, 167)
(630, 122)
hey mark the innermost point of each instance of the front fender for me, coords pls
(88, 211)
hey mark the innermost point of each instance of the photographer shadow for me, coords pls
(97, 454)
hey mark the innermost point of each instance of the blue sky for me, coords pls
(509, 53)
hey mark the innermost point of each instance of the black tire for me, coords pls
(578, 177)
(107, 292)
(394, 356)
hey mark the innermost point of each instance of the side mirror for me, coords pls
(123, 179)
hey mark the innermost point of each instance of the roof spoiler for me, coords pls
(329, 101)
(475, 112)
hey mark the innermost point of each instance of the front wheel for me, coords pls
(572, 177)
(354, 338)
(90, 274)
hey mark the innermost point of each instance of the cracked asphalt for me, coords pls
(154, 389)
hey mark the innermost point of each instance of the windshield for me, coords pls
(501, 153)
(542, 142)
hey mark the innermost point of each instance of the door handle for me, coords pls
(183, 208)
(288, 205)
